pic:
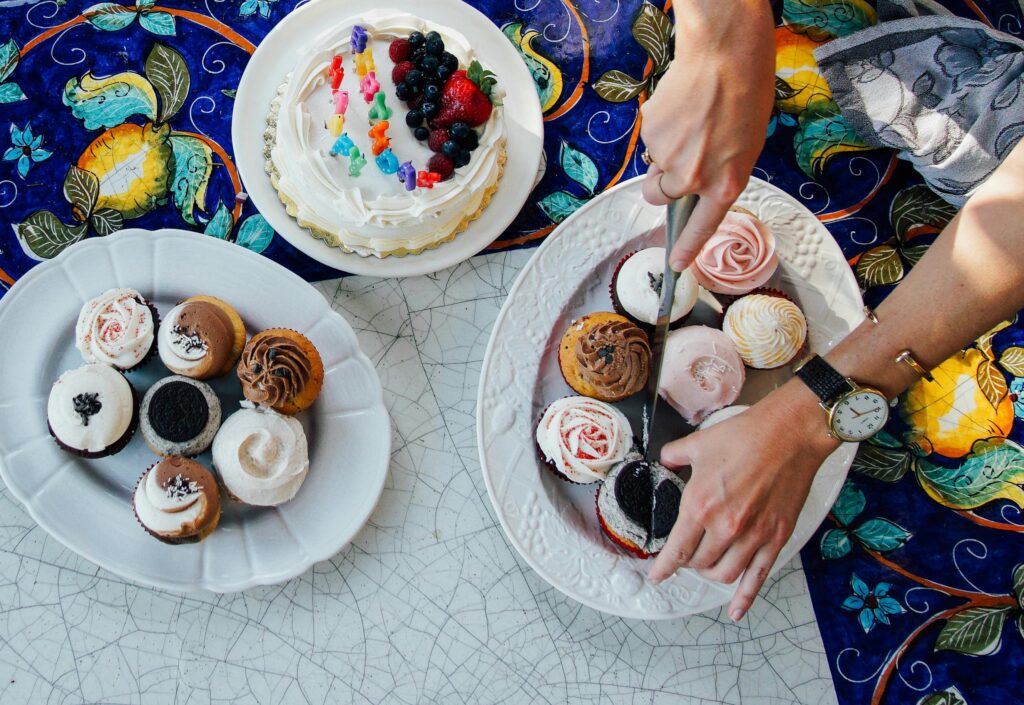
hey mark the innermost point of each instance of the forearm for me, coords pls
(712, 22)
(970, 279)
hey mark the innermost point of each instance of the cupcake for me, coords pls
(703, 372)
(636, 288)
(580, 439)
(722, 415)
(202, 337)
(281, 369)
(177, 501)
(638, 504)
(179, 416)
(768, 329)
(605, 356)
(117, 328)
(739, 257)
(92, 411)
(261, 456)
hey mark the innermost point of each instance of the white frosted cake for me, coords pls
(375, 212)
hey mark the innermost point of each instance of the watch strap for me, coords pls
(823, 379)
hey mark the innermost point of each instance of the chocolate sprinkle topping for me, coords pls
(180, 486)
(178, 412)
(656, 281)
(190, 341)
(86, 405)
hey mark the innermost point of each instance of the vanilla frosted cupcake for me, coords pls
(202, 337)
(739, 257)
(262, 456)
(177, 501)
(92, 411)
(768, 329)
(636, 287)
(117, 328)
(581, 439)
(702, 373)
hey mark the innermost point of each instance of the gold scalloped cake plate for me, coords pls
(275, 58)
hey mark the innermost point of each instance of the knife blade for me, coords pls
(678, 216)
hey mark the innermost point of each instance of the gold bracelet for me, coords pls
(870, 315)
(906, 357)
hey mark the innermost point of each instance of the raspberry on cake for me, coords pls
(412, 198)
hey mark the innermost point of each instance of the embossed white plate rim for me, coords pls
(273, 278)
(826, 487)
(272, 61)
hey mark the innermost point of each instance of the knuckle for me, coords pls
(700, 564)
(730, 187)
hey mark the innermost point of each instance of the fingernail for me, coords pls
(735, 614)
(677, 265)
(655, 578)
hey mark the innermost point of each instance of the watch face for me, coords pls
(859, 415)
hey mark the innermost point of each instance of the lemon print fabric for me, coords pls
(131, 163)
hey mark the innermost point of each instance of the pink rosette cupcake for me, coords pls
(580, 439)
(703, 372)
(739, 257)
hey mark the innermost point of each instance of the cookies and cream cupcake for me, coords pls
(281, 369)
(605, 356)
(262, 456)
(92, 411)
(768, 329)
(638, 504)
(702, 373)
(580, 439)
(739, 257)
(117, 328)
(179, 416)
(202, 337)
(636, 288)
(177, 501)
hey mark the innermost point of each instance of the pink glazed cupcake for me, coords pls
(703, 372)
(739, 257)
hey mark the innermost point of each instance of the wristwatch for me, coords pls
(855, 412)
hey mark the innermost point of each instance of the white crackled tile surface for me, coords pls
(429, 605)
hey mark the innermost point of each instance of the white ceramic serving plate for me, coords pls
(86, 504)
(553, 524)
(275, 58)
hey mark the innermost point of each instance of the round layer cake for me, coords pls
(372, 214)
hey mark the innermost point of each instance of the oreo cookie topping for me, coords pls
(178, 412)
(652, 507)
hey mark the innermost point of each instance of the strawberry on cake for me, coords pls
(388, 138)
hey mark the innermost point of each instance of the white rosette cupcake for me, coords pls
(580, 439)
(262, 456)
(768, 329)
(117, 328)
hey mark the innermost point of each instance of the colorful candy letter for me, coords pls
(379, 134)
(359, 38)
(336, 125)
(337, 72)
(356, 161)
(407, 175)
(387, 162)
(364, 63)
(340, 102)
(369, 86)
(342, 145)
(427, 179)
(379, 110)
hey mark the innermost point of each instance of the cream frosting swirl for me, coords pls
(177, 497)
(703, 372)
(739, 257)
(768, 330)
(262, 456)
(115, 328)
(583, 437)
(638, 287)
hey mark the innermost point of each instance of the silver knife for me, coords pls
(679, 213)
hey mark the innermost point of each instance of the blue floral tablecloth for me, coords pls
(118, 115)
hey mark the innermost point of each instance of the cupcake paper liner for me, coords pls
(615, 538)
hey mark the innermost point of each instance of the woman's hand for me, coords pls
(705, 124)
(751, 475)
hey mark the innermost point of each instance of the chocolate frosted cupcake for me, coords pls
(177, 501)
(605, 356)
(281, 369)
(638, 504)
(201, 338)
(117, 328)
(180, 416)
(92, 411)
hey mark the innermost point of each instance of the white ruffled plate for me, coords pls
(275, 58)
(86, 504)
(553, 524)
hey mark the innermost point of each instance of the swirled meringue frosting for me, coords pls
(262, 456)
(768, 330)
(739, 257)
(116, 328)
(91, 409)
(177, 500)
(196, 339)
(637, 287)
(703, 372)
(373, 214)
(583, 438)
